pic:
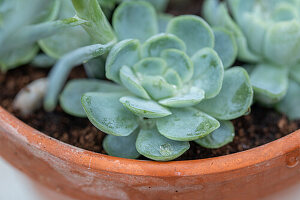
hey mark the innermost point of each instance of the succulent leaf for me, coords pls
(295, 73)
(155, 45)
(163, 20)
(65, 41)
(95, 68)
(180, 62)
(122, 147)
(131, 82)
(186, 124)
(151, 66)
(290, 104)
(70, 99)
(218, 138)
(126, 52)
(234, 98)
(173, 78)
(192, 97)
(106, 113)
(157, 87)
(135, 20)
(151, 144)
(282, 42)
(269, 83)
(144, 108)
(198, 36)
(208, 72)
(225, 46)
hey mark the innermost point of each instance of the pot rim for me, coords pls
(10, 125)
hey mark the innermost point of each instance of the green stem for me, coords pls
(98, 27)
(61, 70)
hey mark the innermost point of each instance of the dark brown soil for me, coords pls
(260, 127)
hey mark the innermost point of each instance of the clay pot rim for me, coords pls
(96, 161)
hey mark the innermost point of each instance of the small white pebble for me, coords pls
(30, 98)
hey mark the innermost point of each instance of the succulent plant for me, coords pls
(23, 23)
(267, 34)
(169, 88)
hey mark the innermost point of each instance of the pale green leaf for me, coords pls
(208, 72)
(269, 82)
(194, 31)
(163, 20)
(290, 104)
(106, 113)
(126, 52)
(144, 108)
(160, 42)
(173, 77)
(234, 99)
(186, 124)
(157, 87)
(218, 138)
(150, 66)
(95, 68)
(188, 98)
(180, 62)
(225, 46)
(282, 42)
(122, 147)
(70, 99)
(131, 82)
(295, 73)
(153, 145)
(135, 20)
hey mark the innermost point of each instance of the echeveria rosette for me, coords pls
(167, 88)
(268, 36)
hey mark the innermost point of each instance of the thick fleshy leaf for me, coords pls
(144, 108)
(218, 138)
(131, 82)
(122, 147)
(194, 31)
(135, 20)
(153, 145)
(70, 99)
(186, 124)
(150, 66)
(295, 73)
(95, 68)
(157, 87)
(234, 98)
(189, 98)
(43, 61)
(126, 52)
(217, 15)
(282, 42)
(269, 82)
(160, 42)
(208, 72)
(290, 104)
(17, 57)
(284, 12)
(106, 113)
(60, 72)
(173, 77)
(65, 41)
(225, 46)
(163, 20)
(180, 62)
(98, 26)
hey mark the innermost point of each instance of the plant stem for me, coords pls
(61, 70)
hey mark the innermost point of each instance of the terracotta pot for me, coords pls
(82, 174)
